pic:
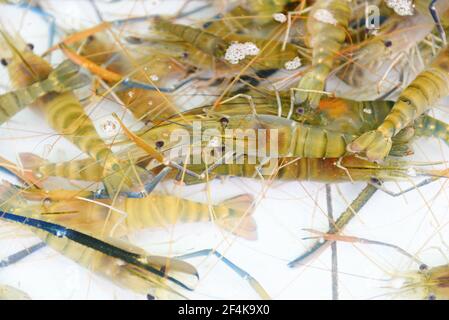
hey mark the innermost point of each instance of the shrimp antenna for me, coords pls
(351, 239)
(436, 18)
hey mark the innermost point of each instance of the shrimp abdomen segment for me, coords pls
(315, 142)
(66, 115)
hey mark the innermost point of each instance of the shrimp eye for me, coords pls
(30, 46)
(91, 38)
(375, 181)
(150, 297)
(4, 62)
(388, 43)
(431, 297)
(423, 267)
(300, 110)
(185, 55)
(224, 121)
(159, 144)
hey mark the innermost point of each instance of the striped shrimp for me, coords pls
(65, 114)
(334, 114)
(122, 263)
(294, 139)
(429, 86)
(326, 26)
(65, 207)
(153, 211)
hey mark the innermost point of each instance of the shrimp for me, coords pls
(279, 137)
(124, 264)
(334, 114)
(326, 26)
(429, 86)
(152, 211)
(66, 115)
(293, 139)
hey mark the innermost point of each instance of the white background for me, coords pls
(416, 221)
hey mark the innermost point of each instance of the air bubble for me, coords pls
(280, 17)
(238, 51)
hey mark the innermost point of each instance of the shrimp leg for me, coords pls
(359, 202)
(242, 273)
(351, 239)
(149, 187)
(16, 257)
(333, 245)
(436, 18)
